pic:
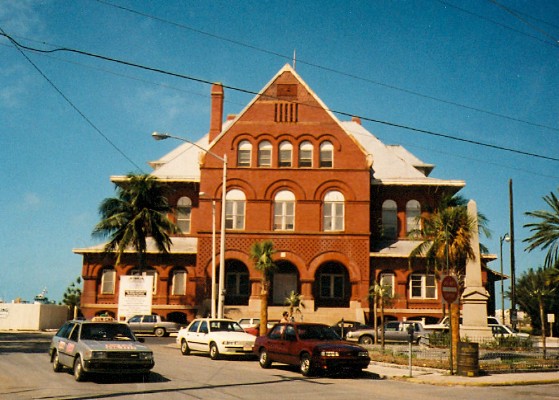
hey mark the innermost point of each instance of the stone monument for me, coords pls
(475, 296)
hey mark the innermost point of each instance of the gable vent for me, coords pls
(286, 112)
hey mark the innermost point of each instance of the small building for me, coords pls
(337, 203)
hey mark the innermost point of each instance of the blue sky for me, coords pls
(481, 71)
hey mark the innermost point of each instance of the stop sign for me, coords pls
(449, 288)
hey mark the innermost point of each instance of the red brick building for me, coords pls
(336, 202)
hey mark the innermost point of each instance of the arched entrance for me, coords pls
(237, 283)
(284, 280)
(332, 287)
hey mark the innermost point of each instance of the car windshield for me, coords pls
(316, 332)
(225, 326)
(97, 331)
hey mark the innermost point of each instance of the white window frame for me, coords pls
(178, 284)
(184, 213)
(386, 280)
(285, 159)
(244, 154)
(108, 279)
(326, 155)
(413, 213)
(305, 154)
(284, 211)
(235, 206)
(333, 214)
(426, 283)
(265, 154)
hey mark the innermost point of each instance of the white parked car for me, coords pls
(215, 336)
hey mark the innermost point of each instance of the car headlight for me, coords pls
(329, 353)
(146, 355)
(363, 354)
(98, 355)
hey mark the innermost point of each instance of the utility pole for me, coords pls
(513, 315)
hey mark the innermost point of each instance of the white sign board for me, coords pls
(551, 318)
(134, 296)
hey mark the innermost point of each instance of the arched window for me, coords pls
(333, 212)
(235, 210)
(285, 154)
(326, 155)
(386, 280)
(413, 212)
(237, 283)
(284, 211)
(265, 154)
(305, 154)
(147, 272)
(244, 153)
(184, 208)
(389, 219)
(178, 282)
(108, 280)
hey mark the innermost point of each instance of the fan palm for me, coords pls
(139, 211)
(545, 231)
(261, 254)
(295, 302)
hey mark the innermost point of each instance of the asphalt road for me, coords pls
(26, 373)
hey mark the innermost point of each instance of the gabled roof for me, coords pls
(393, 167)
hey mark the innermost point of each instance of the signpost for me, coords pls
(449, 289)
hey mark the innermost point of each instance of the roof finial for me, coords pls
(294, 58)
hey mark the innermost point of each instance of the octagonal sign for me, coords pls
(449, 288)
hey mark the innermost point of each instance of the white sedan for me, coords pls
(216, 337)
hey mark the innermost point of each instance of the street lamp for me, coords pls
(504, 238)
(221, 289)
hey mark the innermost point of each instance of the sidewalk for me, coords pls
(443, 378)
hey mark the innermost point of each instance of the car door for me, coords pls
(191, 336)
(276, 344)
(61, 340)
(391, 331)
(68, 354)
(135, 323)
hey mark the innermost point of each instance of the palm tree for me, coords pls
(545, 231)
(261, 254)
(380, 294)
(535, 288)
(447, 248)
(139, 211)
(295, 303)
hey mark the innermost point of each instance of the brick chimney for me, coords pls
(216, 112)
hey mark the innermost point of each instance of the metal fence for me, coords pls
(500, 355)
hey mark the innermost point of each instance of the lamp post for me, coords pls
(221, 289)
(504, 238)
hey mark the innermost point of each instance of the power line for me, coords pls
(89, 122)
(523, 20)
(200, 80)
(335, 71)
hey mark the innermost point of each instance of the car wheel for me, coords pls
(56, 366)
(185, 350)
(366, 339)
(264, 359)
(214, 351)
(159, 332)
(306, 366)
(79, 373)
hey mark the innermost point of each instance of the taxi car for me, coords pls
(215, 336)
(99, 346)
(312, 347)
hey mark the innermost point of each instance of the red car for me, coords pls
(313, 347)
